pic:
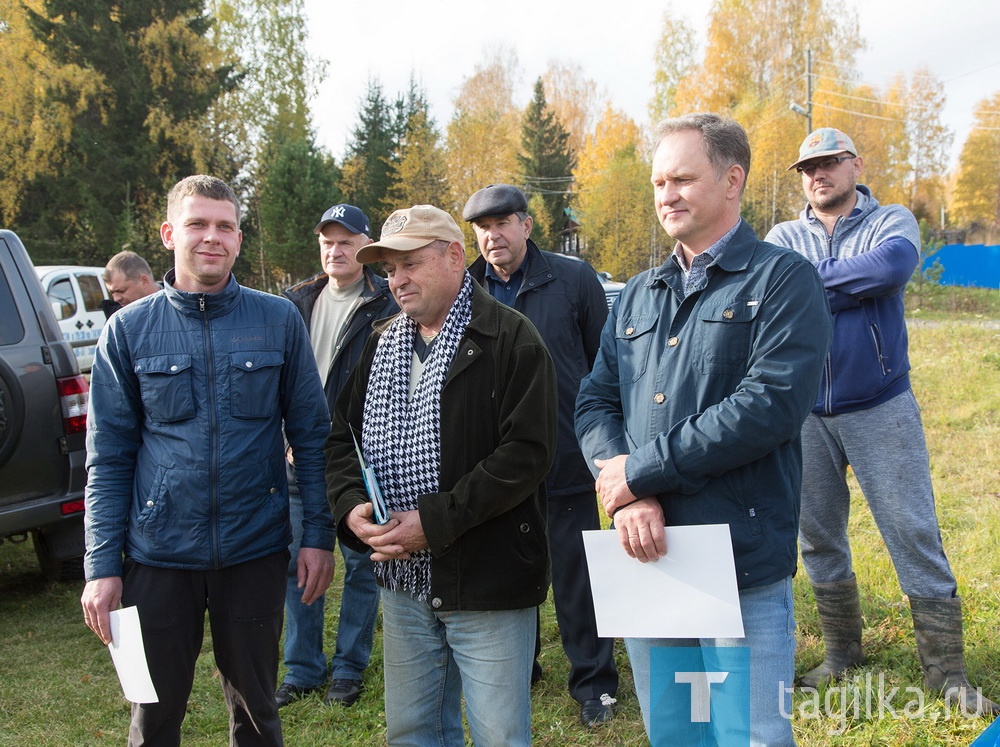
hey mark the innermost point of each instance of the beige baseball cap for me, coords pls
(410, 229)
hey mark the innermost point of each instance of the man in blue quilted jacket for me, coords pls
(187, 499)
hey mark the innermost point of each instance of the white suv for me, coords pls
(76, 295)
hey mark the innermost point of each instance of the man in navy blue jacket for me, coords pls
(866, 416)
(193, 389)
(707, 368)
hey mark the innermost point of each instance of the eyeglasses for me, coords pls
(826, 164)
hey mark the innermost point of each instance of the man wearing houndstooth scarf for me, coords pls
(402, 435)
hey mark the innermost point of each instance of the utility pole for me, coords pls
(807, 110)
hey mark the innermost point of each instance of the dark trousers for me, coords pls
(592, 663)
(245, 604)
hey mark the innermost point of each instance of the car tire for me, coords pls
(55, 568)
(11, 412)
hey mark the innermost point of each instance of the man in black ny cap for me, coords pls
(339, 306)
(565, 301)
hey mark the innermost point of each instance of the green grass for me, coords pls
(58, 687)
(952, 302)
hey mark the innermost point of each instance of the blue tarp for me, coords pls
(977, 265)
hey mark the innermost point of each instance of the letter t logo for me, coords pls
(701, 698)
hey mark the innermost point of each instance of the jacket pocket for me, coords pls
(723, 335)
(166, 387)
(634, 339)
(254, 381)
(879, 347)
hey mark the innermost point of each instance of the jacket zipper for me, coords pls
(213, 431)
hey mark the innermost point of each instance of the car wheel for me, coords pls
(55, 568)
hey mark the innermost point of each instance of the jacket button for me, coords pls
(471, 352)
(525, 528)
(173, 368)
(672, 342)
(659, 398)
(727, 314)
(436, 603)
(630, 331)
(273, 491)
(149, 504)
(249, 364)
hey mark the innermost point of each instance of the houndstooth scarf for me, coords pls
(401, 437)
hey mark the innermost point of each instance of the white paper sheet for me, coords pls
(130, 657)
(689, 593)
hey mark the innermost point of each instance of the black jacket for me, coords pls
(376, 303)
(486, 526)
(565, 301)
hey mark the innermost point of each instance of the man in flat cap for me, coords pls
(452, 406)
(564, 300)
(866, 416)
(339, 306)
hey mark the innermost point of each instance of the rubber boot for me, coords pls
(937, 626)
(840, 618)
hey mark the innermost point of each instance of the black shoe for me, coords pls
(288, 692)
(536, 673)
(595, 712)
(343, 692)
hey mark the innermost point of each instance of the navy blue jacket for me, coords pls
(865, 265)
(707, 395)
(190, 393)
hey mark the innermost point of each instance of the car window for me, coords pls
(62, 299)
(90, 287)
(11, 329)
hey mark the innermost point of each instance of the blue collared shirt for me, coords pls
(695, 278)
(504, 291)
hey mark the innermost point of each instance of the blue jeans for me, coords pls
(769, 627)
(433, 658)
(304, 655)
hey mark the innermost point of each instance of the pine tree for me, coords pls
(123, 111)
(369, 169)
(547, 164)
(419, 159)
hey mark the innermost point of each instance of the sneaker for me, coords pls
(287, 692)
(344, 692)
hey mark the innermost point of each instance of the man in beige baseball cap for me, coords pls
(454, 402)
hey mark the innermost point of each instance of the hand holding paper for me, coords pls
(129, 656)
(691, 592)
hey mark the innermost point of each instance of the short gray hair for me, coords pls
(726, 141)
(129, 264)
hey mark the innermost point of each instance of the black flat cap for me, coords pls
(496, 199)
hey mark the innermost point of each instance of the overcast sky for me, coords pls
(442, 41)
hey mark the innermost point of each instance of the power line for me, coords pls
(857, 70)
(859, 114)
(908, 107)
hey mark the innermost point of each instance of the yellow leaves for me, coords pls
(483, 137)
(976, 199)
(573, 98)
(615, 198)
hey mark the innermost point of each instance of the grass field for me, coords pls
(58, 687)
